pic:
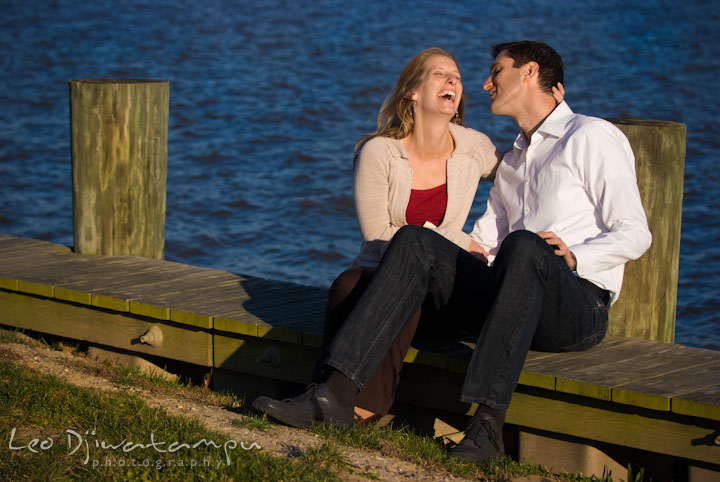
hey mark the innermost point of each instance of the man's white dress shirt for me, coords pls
(576, 178)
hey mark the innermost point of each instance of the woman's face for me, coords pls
(440, 90)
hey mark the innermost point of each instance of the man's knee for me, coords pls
(522, 244)
(522, 238)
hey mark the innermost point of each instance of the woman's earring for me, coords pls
(457, 114)
(412, 109)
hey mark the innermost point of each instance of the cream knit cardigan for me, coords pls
(383, 182)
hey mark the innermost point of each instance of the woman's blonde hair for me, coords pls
(395, 118)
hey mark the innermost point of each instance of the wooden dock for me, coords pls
(626, 394)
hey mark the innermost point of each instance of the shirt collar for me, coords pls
(553, 125)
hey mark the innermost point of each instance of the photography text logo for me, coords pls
(89, 443)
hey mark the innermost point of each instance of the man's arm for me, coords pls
(607, 168)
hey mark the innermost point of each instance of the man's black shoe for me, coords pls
(483, 440)
(317, 404)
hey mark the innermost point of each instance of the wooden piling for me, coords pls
(119, 130)
(646, 307)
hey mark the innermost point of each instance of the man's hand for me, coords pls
(478, 251)
(561, 248)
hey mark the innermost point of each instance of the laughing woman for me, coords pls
(422, 167)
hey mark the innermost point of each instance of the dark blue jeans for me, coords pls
(528, 299)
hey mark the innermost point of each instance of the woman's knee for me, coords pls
(408, 233)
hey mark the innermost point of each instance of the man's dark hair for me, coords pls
(524, 51)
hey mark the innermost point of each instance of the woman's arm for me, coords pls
(372, 187)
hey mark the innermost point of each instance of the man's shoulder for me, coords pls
(591, 127)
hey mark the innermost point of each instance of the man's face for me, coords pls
(504, 85)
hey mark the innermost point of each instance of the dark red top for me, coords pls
(427, 205)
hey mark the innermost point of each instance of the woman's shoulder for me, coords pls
(380, 147)
(468, 137)
(476, 146)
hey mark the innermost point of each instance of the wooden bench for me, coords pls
(624, 399)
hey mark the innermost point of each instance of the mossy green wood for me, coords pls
(646, 307)
(119, 131)
(264, 357)
(120, 330)
(605, 422)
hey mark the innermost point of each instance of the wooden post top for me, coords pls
(119, 81)
(643, 122)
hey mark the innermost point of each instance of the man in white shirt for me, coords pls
(544, 264)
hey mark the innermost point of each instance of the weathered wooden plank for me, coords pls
(585, 379)
(632, 370)
(123, 285)
(75, 296)
(703, 403)
(609, 350)
(574, 372)
(143, 284)
(264, 357)
(163, 297)
(293, 323)
(50, 272)
(223, 299)
(120, 330)
(540, 371)
(297, 325)
(35, 288)
(656, 392)
(8, 283)
(603, 422)
(200, 310)
(36, 268)
(15, 245)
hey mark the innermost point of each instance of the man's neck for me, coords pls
(534, 113)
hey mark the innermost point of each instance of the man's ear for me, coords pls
(531, 71)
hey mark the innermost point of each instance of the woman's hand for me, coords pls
(478, 251)
(558, 92)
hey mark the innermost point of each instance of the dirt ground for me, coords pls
(84, 371)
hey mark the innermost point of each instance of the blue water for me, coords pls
(268, 98)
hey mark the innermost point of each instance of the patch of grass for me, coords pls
(370, 475)
(135, 377)
(15, 335)
(326, 455)
(82, 434)
(254, 421)
(425, 451)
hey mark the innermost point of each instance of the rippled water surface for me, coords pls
(268, 98)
